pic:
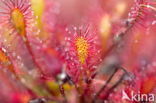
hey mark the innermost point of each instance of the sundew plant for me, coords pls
(78, 51)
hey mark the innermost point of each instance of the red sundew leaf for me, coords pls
(20, 24)
(16, 15)
(142, 13)
(82, 52)
(21, 34)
